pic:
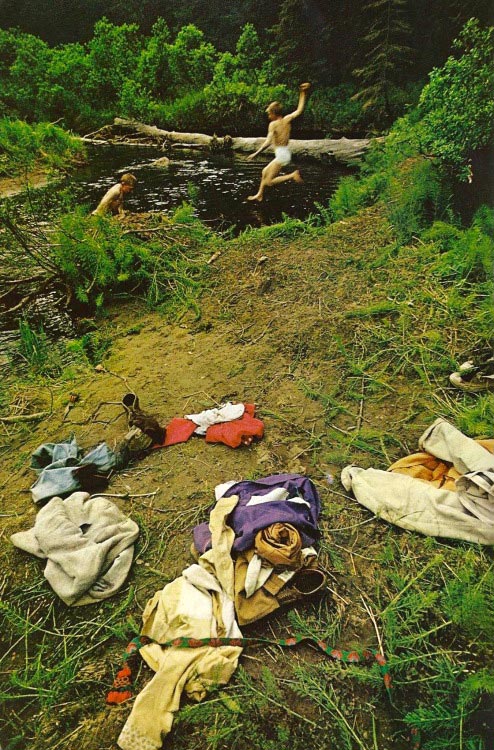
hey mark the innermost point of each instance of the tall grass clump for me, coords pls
(23, 147)
(97, 259)
(416, 195)
(430, 606)
(411, 187)
(469, 254)
(36, 351)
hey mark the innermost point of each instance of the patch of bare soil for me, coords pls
(10, 186)
(268, 334)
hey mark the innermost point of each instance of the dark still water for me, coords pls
(217, 184)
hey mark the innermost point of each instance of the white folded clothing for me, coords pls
(224, 413)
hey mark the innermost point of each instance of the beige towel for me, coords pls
(88, 544)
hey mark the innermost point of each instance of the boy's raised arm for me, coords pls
(302, 98)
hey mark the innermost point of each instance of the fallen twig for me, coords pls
(373, 620)
(26, 417)
(126, 495)
(214, 257)
(360, 417)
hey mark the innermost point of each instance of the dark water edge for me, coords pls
(467, 197)
(217, 185)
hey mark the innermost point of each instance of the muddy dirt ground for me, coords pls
(270, 333)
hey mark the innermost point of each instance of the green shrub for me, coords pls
(23, 146)
(181, 112)
(96, 260)
(18, 146)
(333, 110)
(93, 257)
(457, 106)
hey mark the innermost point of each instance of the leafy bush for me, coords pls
(179, 113)
(457, 106)
(181, 82)
(334, 110)
(95, 259)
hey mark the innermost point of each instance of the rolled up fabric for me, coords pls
(281, 545)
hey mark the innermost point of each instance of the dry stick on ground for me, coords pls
(361, 408)
(26, 417)
(258, 338)
(373, 620)
(116, 375)
(92, 416)
(126, 495)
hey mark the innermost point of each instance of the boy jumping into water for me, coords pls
(112, 200)
(278, 136)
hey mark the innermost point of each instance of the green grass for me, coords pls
(24, 147)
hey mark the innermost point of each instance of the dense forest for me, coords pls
(212, 67)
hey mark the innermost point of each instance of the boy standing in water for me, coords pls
(278, 136)
(113, 199)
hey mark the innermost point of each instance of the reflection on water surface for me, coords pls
(218, 184)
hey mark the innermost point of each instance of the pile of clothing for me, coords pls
(257, 546)
(62, 468)
(88, 544)
(447, 490)
(231, 424)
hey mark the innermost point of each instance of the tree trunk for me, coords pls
(343, 150)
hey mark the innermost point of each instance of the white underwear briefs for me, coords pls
(283, 155)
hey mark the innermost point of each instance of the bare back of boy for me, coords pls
(278, 137)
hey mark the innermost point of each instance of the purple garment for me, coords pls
(246, 520)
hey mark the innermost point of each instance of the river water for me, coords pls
(217, 185)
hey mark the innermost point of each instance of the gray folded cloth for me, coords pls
(476, 494)
(63, 469)
(476, 487)
(88, 544)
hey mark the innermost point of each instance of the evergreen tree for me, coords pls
(298, 48)
(385, 56)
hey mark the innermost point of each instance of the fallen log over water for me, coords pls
(343, 150)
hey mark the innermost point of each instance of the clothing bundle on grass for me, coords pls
(63, 468)
(279, 498)
(231, 424)
(88, 544)
(209, 599)
(447, 491)
(198, 604)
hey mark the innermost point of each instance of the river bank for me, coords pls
(11, 186)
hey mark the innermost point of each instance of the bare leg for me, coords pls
(269, 174)
(295, 176)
